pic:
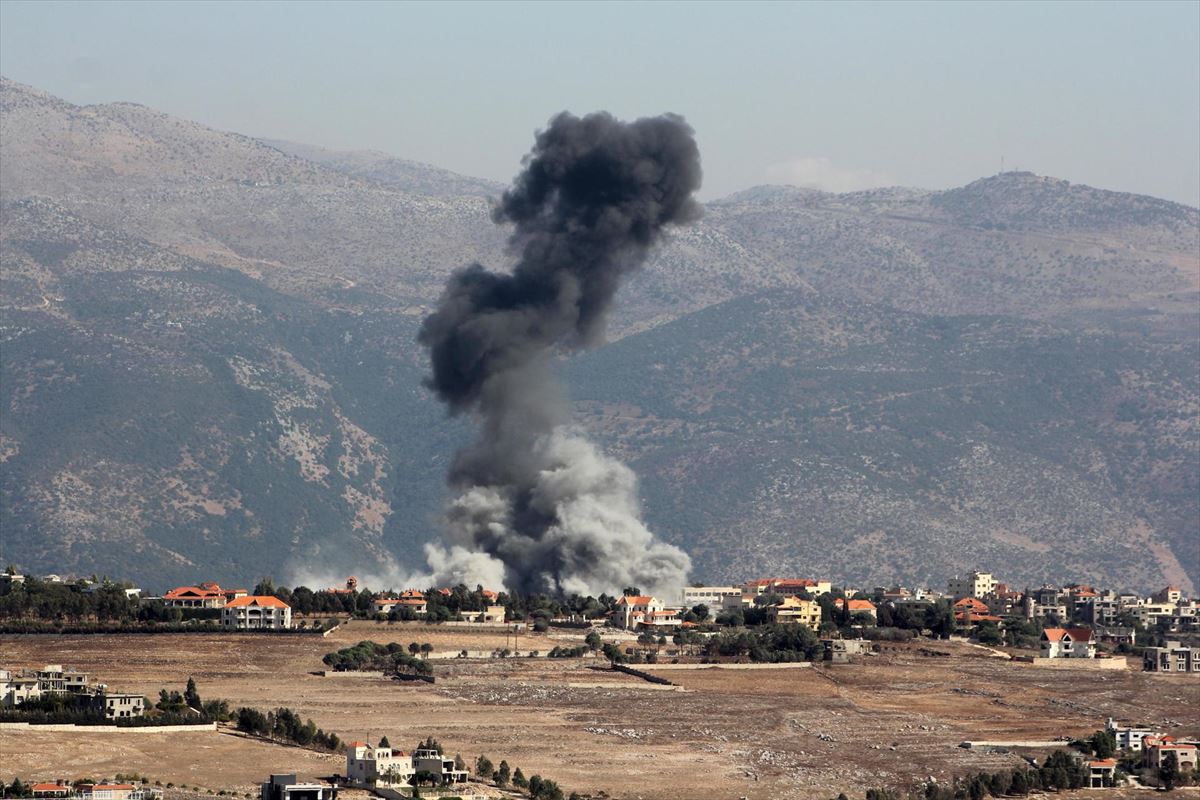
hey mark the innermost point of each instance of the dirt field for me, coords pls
(760, 734)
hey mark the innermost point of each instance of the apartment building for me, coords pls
(1173, 657)
(975, 584)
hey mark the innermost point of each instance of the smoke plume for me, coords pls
(535, 500)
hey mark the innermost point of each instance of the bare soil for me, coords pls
(760, 734)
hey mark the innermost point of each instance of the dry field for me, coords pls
(761, 734)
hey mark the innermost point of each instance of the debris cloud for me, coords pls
(536, 501)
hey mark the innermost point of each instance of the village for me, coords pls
(646, 637)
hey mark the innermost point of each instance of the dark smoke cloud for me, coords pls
(550, 510)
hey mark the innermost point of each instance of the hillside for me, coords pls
(209, 366)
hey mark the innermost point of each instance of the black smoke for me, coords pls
(534, 495)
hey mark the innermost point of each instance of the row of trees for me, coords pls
(284, 724)
(391, 659)
(537, 787)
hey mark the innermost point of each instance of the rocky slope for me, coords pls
(209, 367)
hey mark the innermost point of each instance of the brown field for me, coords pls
(793, 733)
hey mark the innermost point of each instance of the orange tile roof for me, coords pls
(102, 786)
(1077, 634)
(192, 591)
(261, 601)
(1105, 762)
(635, 600)
(49, 787)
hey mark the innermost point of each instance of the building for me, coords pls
(857, 607)
(838, 651)
(16, 689)
(976, 584)
(1170, 594)
(368, 765)
(787, 586)
(971, 611)
(1156, 748)
(53, 678)
(711, 596)
(1067, 643)
(1174, 657)
(256, 612)
(1046, 602)
(1100, 773)
(288, 787)
(118, 705)
(1115, 635)
(633, 610)
(206, 595)
(1130, 738)
(438, 764)
(794, 611)
(105, 791)
(58, 789)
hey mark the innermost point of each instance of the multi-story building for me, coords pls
(633, 610)
(1169, 594)
(1155, 750)
(711, 596)
(1067, 643)
(380, 765)
(256, 612)
(118, 705)
(787, 586)
(795, 611)
(1101, 772)
(976, 584)
(1174, 657)
(206, 595)
(17, 688)
(438, 764)
(1046, 603)
(53, 678)
(1129, 738)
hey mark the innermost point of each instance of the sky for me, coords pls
(835, 96)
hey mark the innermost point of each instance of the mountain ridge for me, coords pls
(209, 361)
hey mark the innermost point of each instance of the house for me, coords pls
(1046, 602)
(105, 791)
(1067, 643)
(1130, 738)
(368, 765)
(1116, 635)
(838, 651)
(1170, 594)
(1156, 748)
(59, 789)
(256, 612)
(1173, 657)
(351, 587)
(787, 586)
(118, 705)
(206, 595)
(1100, 773)
(16, 689)
(494, 614)
(972, 611)
(438, 764)
(794, 611)
(633, 610)
(288, 787)
(54, 678)
(857, 606)
(976, 584)
(384, 605)
(711, 596)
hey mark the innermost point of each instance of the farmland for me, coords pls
(780, 733)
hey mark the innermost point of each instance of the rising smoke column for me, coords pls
(537, 504)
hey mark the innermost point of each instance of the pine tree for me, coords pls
(191, 696)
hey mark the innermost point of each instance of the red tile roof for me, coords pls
(635, 600)
(261, 601)
(1076, 634)
(193, 591)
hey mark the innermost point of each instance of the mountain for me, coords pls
(208, 366)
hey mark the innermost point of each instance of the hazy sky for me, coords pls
(839, 96)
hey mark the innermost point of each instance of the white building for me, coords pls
(633, 610)
(256, 612)
(1129, 738)
(438, 764)
(289, 787)
(977, 584)
(1067, 643)
(379, 765)
(711, 596)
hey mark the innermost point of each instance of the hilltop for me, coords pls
(209, 364)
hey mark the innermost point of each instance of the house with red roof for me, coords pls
(206, 595)
(1068, 643)
(633, 610)
(857, 606)
(256, 612)
(1101, 772)
(972, 611)
(1155, 750)
(59, 789)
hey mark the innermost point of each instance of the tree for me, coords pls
(384, 742)
(1168, 771)
(631, 591)
(1103, 744)
(414, 648)
(1020, 784)
(503, 774)
(593, 640)
(426, 649)
(483, 767)
(518, 779)
(459, 762)
(191, 696)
